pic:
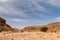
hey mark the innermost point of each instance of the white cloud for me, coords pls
(42, 8)
(6, 9)
(19, 20)
(58, 19)
(9, 9)
(3, 0)
(54, 2)
(12, 7)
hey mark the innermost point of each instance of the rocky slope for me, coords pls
(52, 27)
(4, 26)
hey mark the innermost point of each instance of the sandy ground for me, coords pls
(30, 36)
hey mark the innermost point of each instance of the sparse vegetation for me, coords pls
(22, 31)
(44, 29)
(0, 30)
(55, 31)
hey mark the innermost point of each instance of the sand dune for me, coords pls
(30, 36)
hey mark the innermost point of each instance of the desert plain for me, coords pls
(29, 36)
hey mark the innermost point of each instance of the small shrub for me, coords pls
(44, 29)
(22, 31)
(55, 31)
(12, 39)
(1, 29)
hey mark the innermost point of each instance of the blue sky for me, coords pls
(22, 13)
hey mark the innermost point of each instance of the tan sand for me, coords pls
(30, 36)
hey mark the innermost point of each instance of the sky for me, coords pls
(22, 13)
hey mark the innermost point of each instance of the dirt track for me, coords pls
(30, 36)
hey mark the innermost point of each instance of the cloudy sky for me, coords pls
(21, 13)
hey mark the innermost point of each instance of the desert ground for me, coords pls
(30, 36)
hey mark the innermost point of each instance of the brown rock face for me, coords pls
(2, 21)
(4, 26)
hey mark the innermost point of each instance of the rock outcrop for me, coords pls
(2, 21)
(4, 26)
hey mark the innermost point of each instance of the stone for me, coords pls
(2, 21)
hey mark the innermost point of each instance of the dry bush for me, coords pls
(43, 29)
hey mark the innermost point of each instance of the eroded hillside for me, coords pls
(53, 27)
(4, 26)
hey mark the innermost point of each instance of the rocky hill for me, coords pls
(32, 28)
(4, 26)
(52, 27)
